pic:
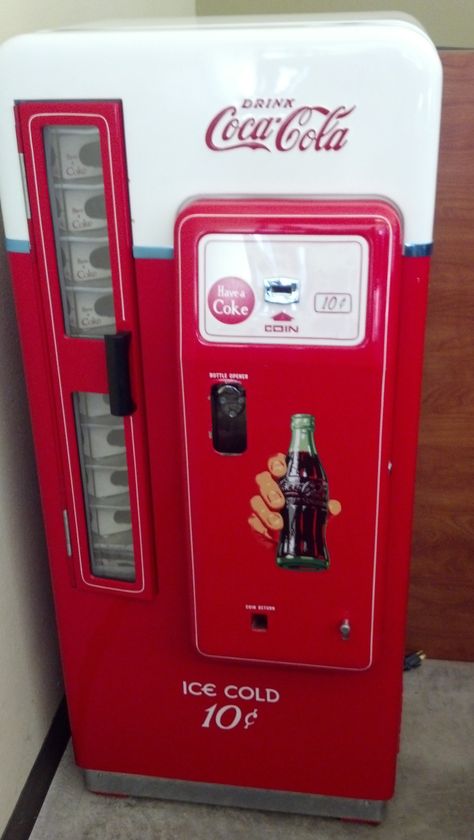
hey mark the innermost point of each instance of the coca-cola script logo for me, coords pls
(313, 493)
(305, 127)
(231, 300)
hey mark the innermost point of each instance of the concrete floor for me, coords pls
(434, 798)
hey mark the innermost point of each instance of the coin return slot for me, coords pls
(259, 621)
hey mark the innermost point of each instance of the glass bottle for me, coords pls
(302, 543)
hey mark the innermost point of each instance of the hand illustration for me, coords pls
(266, 520)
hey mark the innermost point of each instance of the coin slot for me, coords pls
(281, 290)
(259, 622)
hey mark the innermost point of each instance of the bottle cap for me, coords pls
(302, 421)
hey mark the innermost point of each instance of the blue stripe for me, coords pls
(18, 246)
(22, 246)
(418, 250)
(141, 252)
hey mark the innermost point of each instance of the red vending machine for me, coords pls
(219, 234)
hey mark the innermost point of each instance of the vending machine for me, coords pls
(219, 234)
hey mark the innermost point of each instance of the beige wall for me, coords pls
(28, 15)
(450, 23)
(30, 675)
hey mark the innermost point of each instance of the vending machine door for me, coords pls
(74, 156)
(287, 344)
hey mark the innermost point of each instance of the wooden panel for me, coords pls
(441, 605)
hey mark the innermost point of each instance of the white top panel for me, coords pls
(343, 108)
(283, 289)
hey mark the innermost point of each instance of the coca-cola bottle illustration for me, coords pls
(302, 543)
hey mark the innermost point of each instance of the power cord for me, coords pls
(413, 660)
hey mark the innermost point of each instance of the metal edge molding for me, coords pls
(234, 796)
(420, 250)
(17, 246)
(141, 252)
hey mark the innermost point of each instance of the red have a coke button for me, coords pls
(231, 300)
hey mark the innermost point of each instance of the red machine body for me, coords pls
(351, 717)
(161, 381)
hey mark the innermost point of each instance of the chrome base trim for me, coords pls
(125, 784)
